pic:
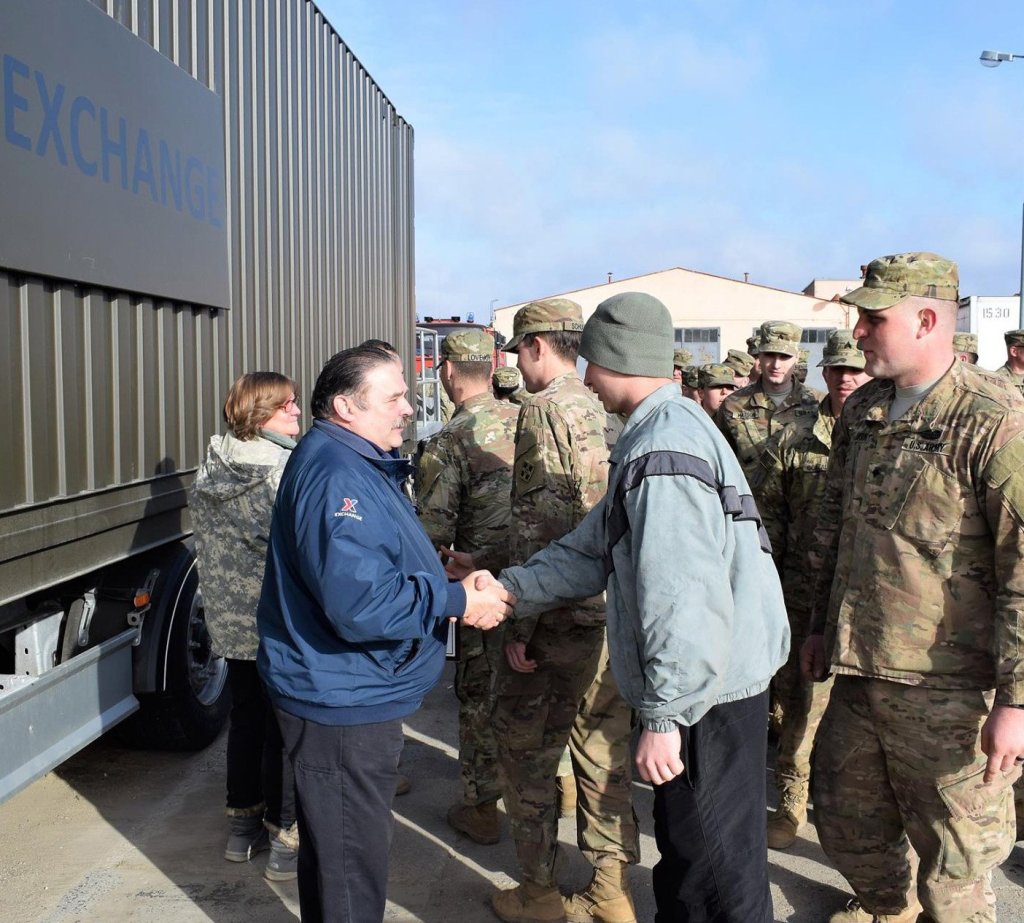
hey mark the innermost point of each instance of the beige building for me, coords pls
(712, 314)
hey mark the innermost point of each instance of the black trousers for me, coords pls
(345, 777)
(258, 768)
(710, 822)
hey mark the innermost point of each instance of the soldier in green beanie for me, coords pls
(696, 621)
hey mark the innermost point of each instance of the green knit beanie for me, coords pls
(630, 333)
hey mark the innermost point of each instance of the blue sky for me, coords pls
(790, 139)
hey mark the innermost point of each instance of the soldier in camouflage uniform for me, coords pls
(681, 358)
(556, 685)
(717, 382)
(691, 383)
(919, 608)
(741, 363)
(965, 346)
(751, 415)
(463, 488)
(754, 375)
(1013, 368)
(231, 502)
(788, 487)
(507, 384)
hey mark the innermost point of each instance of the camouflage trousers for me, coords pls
(899, 802)
(475, 678)
(571, 697)
(803, 706)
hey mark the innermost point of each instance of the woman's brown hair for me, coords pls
(254, 398)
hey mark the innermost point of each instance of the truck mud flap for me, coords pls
(46, 719)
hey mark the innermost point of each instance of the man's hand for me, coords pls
(812, 658)
(1002, 739)
(488, 603)
(515, 654)
(460, 563)
(659, 756)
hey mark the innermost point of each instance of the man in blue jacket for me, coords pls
(696, 622)
(352, 621)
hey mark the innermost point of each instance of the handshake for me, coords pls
(488, 603)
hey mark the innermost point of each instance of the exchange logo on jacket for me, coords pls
(348, 509)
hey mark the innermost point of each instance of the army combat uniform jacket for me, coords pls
(1004, 371)
(922, 525)
(788, 486)
(561, 473)
(748, 418)
(465, 480)
(231, 503)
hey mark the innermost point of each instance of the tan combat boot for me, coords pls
(529, 903)
(477, 821)
(788, 818)
(606, 900)
(854, 913)
(566, 795)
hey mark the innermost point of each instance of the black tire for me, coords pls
(191, 712)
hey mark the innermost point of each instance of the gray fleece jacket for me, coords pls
(695, 610)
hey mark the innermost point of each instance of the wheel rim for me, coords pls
(207, 673)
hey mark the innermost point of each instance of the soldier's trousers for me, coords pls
(897, 789)
(803, 706)
(570, 697)
(475, 686)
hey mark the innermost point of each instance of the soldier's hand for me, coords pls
(1002, 740)
(460, 563)
(812, 658)
(659, 756)
(515, 654)
(488, 603)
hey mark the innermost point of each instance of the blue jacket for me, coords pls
(352, 617)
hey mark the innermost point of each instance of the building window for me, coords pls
(817, 334)
(703, 342)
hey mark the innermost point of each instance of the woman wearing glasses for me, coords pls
(231, 504)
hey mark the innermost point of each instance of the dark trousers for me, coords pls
(346, 778)
(710, 822)
(258, 768)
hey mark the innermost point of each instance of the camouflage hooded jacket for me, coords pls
(919, 551)
(231, 503)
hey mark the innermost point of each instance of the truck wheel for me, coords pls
(191, 712)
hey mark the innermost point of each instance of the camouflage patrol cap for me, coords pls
(740, 362)
(1014, 337)
(542, 316)
(752, 349)
(890, 279)
(681, 358)
(842, 349)
(803, 356)
(691, 376)
(717, 375)
(507, 376)
(468, 346)
(965, 343)
(779, 336)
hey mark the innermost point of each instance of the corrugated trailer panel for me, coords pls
(110, 398)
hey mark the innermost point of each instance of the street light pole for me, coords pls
(994, 59)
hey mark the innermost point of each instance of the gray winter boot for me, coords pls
(283, 861)
(248, 836)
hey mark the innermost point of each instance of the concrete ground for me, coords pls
(118, 835)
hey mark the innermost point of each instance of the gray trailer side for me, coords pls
(110, 397)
